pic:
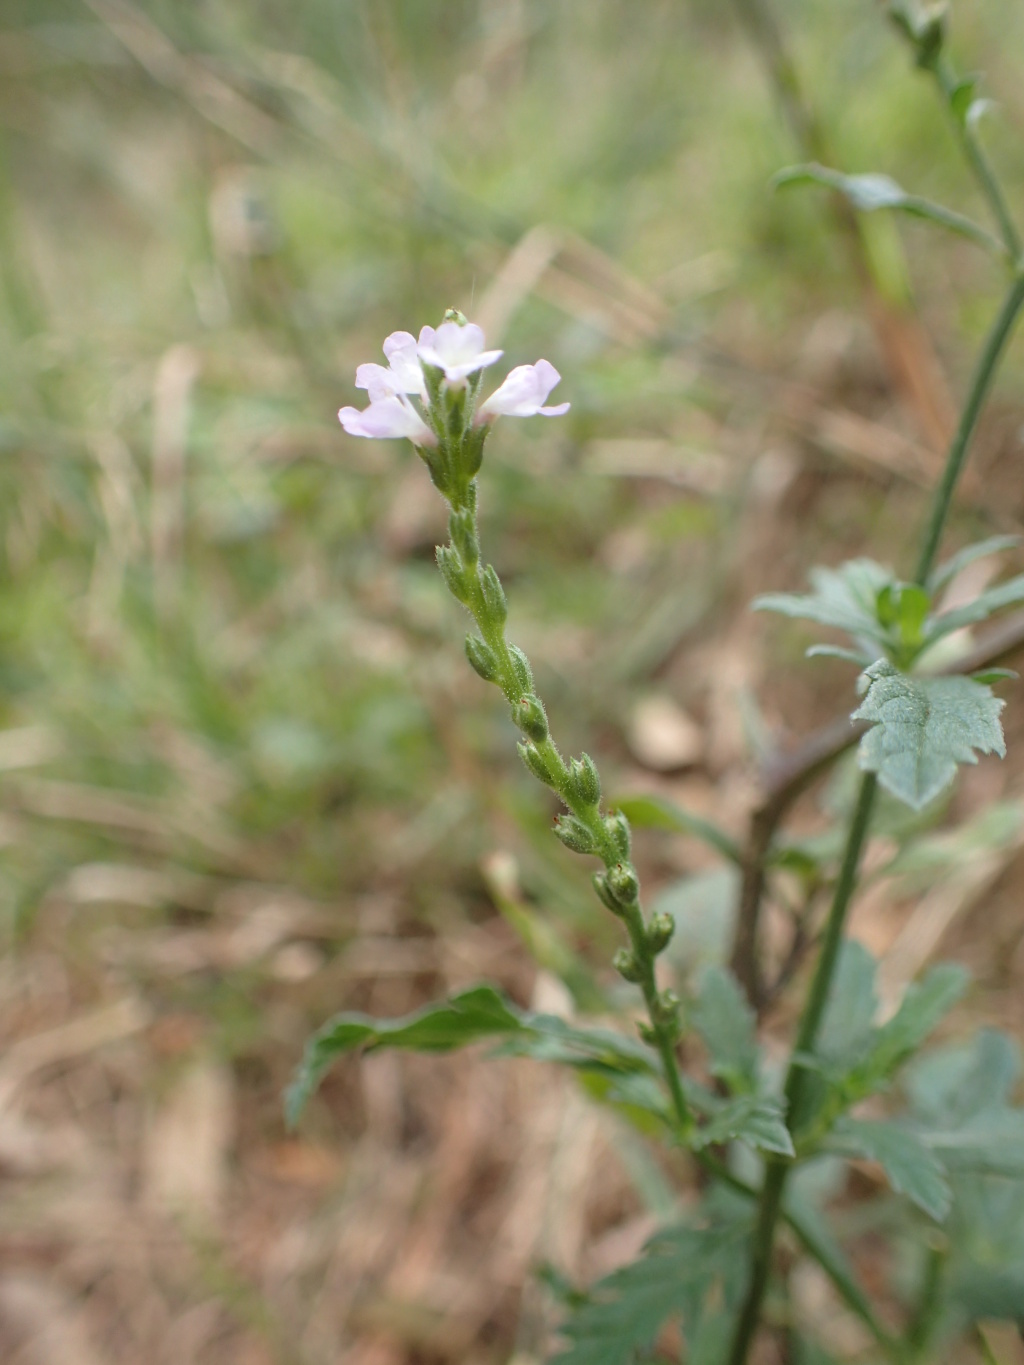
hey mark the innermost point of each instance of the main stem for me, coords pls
(807, 1035)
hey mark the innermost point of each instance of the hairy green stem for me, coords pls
(991, 354)
(639, 963)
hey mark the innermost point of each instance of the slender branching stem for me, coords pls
(977, 159)
(777, 1170)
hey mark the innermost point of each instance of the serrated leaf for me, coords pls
(465, 1018)
(628, 1309)
(871, 192)
(951, 1085)
(844, 598)
(924, 1005)
(912, 1168)
(922, 728)
(657, 812)
(757, 1120)
(947, 571)
(1008, 594)
(725, 1021)
(846, 1026)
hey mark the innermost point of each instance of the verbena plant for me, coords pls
(954, 1156)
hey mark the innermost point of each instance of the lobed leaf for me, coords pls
(912, 1167)
(758, 1120)
(677, 1272)
(1008, 594)
(922, 728)
(725, 1021)
(844, 598)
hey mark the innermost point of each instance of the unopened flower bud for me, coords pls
(453, 572)
(462, 530)
(666, 1015)
(627, 966)
(534, 760)
(584, 780)
(528, 714)
(482, 658)
(618, 828)
(660, 929)
(472, 450)
(605, 894)
(574, 834)
(623, 882)
(521, 664)
(494, 595)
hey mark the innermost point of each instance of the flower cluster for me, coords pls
(447, 362)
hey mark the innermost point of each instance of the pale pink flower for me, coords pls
(523, 394)
(404, 373)
(459, 351)
(388, 416)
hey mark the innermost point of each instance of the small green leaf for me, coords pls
(990, 1292)
(961, 97)
(757, 1120)
(912, 1168)
(845, 598)
(871, 192)
(922, 728)
(850, 656)
(946, 572)
(991, 1144)
(725, 1021)
(924, 1005)
(657, 812)
(464, 1018)
(1008, 594)
(846, 1028)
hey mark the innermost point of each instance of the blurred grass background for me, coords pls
(247, 777)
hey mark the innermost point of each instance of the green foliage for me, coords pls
(869, 193)
(912, 1167)
(922, 728)
(725, 1021)
(657, 812)
(679, 1276)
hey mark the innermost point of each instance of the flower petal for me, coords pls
(459, 351)
(386, 418)
(378, 381)
(523, 393)
(400, 349)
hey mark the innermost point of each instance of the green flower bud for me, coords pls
(521, 664)
(618, 828)
(605, 894)
(584, 780)
(534, 760)
(528, 714)
(453, 572)
(574, 834)
(454, 315)
(627, 966)
(482, 658)
(462, 530)
(623, 884)
(666, 1015)
(659, 932)
(494, 595)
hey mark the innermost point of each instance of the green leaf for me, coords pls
(758, 1120)
(849, 656)
(912, 1168)
(725, 1021)
(844, 598)
(922, 728)
(871, 192)
(625, 1312)
(990, 1292)
(1008, 594)
(951, 1085)
(846, 1027)
(924, 1005)
(947, 571)
(465, 1018)
(991, 1144)
(657, 812)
